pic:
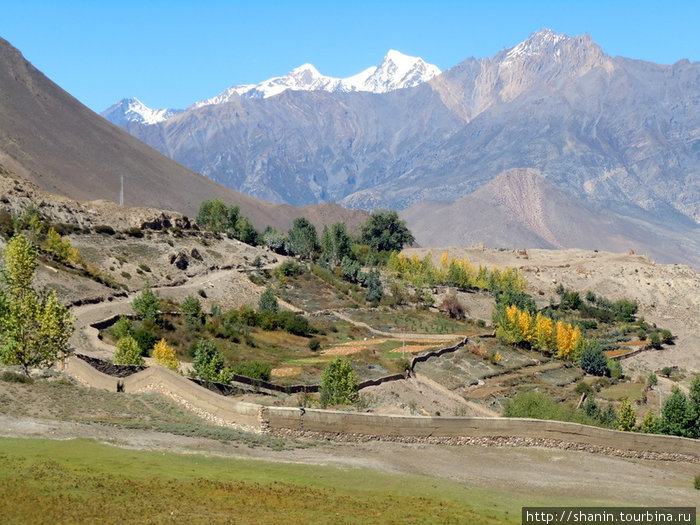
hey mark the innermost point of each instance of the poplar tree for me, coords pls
(33, 328)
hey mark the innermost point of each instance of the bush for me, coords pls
(105, 229)
(268, 302)
(128, 352)
(14, 377)
(254, 370)
(614, 368)
(134, 231)
(452, 307)
(208, 363)
(593, 360)
(295, 324)
(145, 339)
(338, 383)
(655, 340)
(146, 306)
(122, 328)
(289, 268)
(540, 406)
(652, 379)
(314, 344)
(697, 482)
(667, 337)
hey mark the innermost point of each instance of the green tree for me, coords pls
(627, 419)
(146, 306)
(122, 328)
(384, 231)
(274, 240)
(674, 414)
(268, 302)
(213, 215)
(374, 287)
(303, 239)
(336, 244)
(191, 308)
(649, 423)
(208, 363)
(338, 383)
(128, 352)
(33, 329)
(693, 409)
(593, 360)
(246, 232)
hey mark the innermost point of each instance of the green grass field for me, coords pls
(81, 481)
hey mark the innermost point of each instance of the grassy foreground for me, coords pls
(81, 481)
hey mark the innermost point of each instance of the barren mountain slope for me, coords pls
(521, 208)
(668, 294)
(50, 138)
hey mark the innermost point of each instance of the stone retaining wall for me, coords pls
(338, 423)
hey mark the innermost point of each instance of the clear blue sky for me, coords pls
(173, 53)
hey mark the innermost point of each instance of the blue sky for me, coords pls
(170, 54)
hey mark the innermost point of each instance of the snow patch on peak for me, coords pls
(133, 110)
(536, 44)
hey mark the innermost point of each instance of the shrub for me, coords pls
(295, 324)
(208, 363)
(593, 360)
(540, 406)
(627, 419)
(254, 370)
(666, 371)
(667, 337)
(614, 368)
(649, 423)
(105, 229)
(145, 267)
(314, 344)
(191, 309)
(145, 339)
(338, 383)
(268, 302)
(14, 377)
(652, 379)
(697, 482)
(452, 306)
(128, 352)
(146, 306)
(122, 328)
(289, 268)
(134, 231)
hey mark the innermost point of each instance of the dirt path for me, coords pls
(85, 337)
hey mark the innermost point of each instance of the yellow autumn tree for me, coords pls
(165, 355)
(525, 326)
(543, 339)
(564, 343)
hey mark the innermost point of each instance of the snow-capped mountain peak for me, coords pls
(396, 71)
(133, 110)
(536, 44)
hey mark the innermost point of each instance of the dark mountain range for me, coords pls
(51, 139)
(612, 133)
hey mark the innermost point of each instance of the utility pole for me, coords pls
(121, 193)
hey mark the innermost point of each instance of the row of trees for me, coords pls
(515, 326)
(454, 272)
(383, 231)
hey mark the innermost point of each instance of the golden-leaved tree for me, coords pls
(164, 355)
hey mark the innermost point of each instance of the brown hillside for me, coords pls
(50, 138)
(522, 209)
